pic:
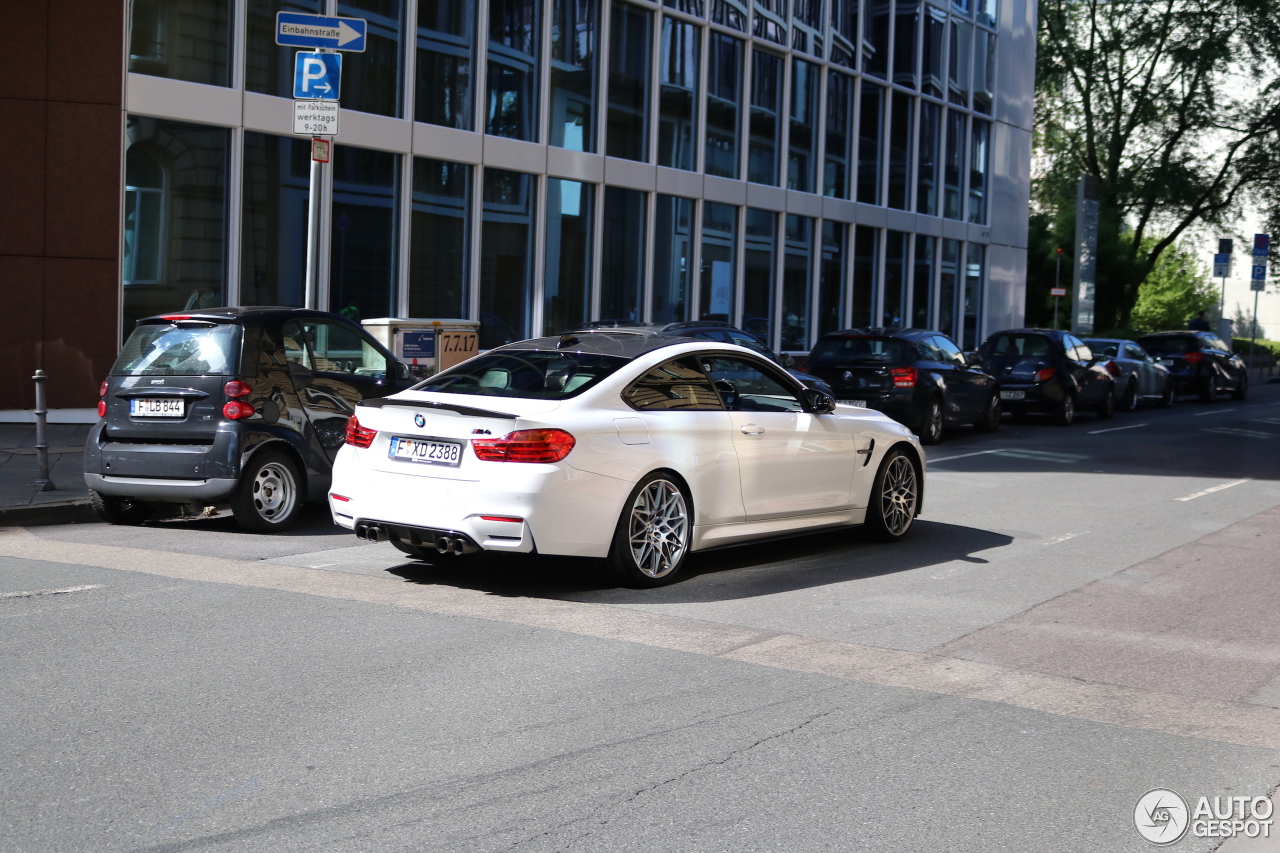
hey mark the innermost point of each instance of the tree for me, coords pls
(1175, 289)
(1173, 105)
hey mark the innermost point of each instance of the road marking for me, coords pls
(1116, 429)
(961, 456)
(1272, 421)
(1055, 540)
(1213, 489)
(50, 591)
(1214, 412)
(1247, 433)
(1221, 721)
(1043, 456)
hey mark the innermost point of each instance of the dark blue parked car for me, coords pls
(1047, 371)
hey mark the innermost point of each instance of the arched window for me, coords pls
(143, 217)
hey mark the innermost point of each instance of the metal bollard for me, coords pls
(43, 483)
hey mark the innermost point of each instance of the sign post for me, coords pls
(1223, 271)
(1261, 248)
(1057, 290)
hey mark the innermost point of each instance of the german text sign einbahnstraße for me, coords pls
(296, 29)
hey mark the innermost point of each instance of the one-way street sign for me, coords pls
(295, 29)
(317, 76)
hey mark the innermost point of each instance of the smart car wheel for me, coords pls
(653, 534)
(991, 420)
(894, 498)
(115, 510)
(267, 498)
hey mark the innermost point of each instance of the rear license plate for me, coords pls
(432, 451)
(1013, 395)
(857, 404)
(157, 407)
(1167, 362)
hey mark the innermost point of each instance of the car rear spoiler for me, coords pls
(465, 411)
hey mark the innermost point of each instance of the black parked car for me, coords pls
(1200, 362)
(1048, 371)
(239, 405)
(917, 377)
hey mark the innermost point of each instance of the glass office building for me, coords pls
(792, 166)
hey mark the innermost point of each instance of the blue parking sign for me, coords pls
(317, 76)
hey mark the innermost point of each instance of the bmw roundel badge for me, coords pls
(848, 374)
(419, 420)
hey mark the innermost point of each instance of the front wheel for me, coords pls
(1242, 390)
(1108, 408)
(653, 535)
(1167, 398)
(895, 495)
(114, 510)
(268, 498)
(931, 427)
(990, 421)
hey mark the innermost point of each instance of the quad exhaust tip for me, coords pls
(446, 545)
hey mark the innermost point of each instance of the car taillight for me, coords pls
(1044, 374)
(904, 377)
(358, 436)
(236, 388)
(102, 408)
(804, 369)
(1194, 357)
(1113, 368)
(237, 411)
(102, 389)
(525, 445)
(102, 403)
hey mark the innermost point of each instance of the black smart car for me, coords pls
(1049, 372)
(245, 406)
(917, 377)
(1200, 362)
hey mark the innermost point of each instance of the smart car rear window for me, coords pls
(532, 374)
(1170, 345)
(860, 348)
(180, 350)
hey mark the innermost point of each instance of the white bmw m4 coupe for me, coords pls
(631, 449)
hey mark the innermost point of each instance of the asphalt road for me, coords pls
(1081, 615)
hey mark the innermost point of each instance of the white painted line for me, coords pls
(1116, 429)
(961, 456)
(50, 591)
(1214, 412)
(1213, 489)
(1247, 433)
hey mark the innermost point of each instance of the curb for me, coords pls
(65, 512)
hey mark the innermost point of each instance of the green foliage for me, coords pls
(1172, 293)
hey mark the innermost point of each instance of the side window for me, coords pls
(1137, 352)
(950, 351)
(1084, 355)
(1073, 346)
(746, 387)
(678, 384)
(1217, 343)
(929, 351)
(295, 347)
(338, 348)
(750, 343)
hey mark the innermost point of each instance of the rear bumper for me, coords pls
(148, 489)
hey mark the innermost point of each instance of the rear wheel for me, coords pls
(1129, 401)
(990, 421)
(1108, 408)
(268, 498)
(895, 495)
(1066, 412)
(1207, 391)
(1167, 398)
(1242, 390)
(653, 535)
(116, 510)
(931, 427)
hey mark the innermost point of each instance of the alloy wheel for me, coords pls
(658, 531)
(898, 495)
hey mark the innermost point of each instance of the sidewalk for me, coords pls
(20, 503)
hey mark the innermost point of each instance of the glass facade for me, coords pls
(887, 103)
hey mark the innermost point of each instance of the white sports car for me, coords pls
(633, 449)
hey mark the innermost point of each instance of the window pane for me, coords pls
(806, 26)
(987, 12)
(797, 273)
(573, 74)
(631, 31)
(766, 125)
(804, 120)
(681, 59)
(512, 107)
(978, 172)
(446, 55)
(277, 185)
(719, 247)
(439, 252)
(973, 296)
(835, 176)
(689, 7)
(935, 29)
(948, 288)
(622, 268)
(831, 288)
(567, 285)
(371, 80)
(930, 147)
(182, 41)
(984, 57)
(506, 257)
(875, 44)
(362, 251)
(870, 143)
(268, 67)
(895, 285)
(174, 241)
(953, 165)
(900, 133)
(724, 104)
(769, 21)
(922, 283)
(678, 384)
(672, 258)
(961, 63)
(844, 33)
(905, 24)
(758, 273)
(729, 13)
(866, 266)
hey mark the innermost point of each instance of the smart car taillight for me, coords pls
(236, 388)
(358, 436)
(102, 403)
(237, 411)
(1113, 368)
(904, 377)
(1194, 357)
(102, 389)
(102, 408)
(1044, 374)
(525, 445)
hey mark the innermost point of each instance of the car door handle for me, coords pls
(751, 429)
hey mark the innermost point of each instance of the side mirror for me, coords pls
(788, 361)
(821, 402)
(974, 358)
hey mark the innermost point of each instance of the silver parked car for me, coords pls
(1138, 376)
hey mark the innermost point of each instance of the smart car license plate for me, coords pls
(1013, 395)
(857, 404)
(157, 407)
(432, 451)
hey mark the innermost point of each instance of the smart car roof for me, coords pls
(245, 314)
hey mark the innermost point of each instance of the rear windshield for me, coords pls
(525, 373)
(860, 348)
(1018, 346)
(1103, 347)
(180, 351)
(1170, 345)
